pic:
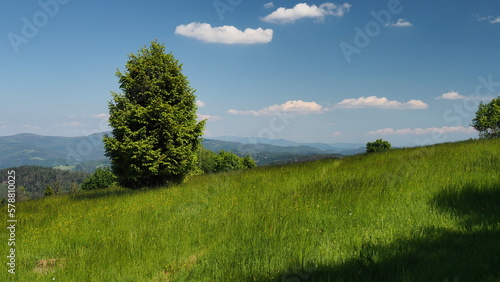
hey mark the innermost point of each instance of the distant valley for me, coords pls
(87, 152)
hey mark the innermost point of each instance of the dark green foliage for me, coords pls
(487, 121)
(101, 178)
(208, 161)
(35, 179)
(49, 191)
(228, 161)
(211, 162)
(155, 137)
(378, 146)
(248, 162)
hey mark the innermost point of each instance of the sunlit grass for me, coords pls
(394, 216)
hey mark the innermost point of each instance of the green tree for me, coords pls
(487, 121)
(208, 161)
(378, 145)
(248, 162)
(101, 178)
(155, 136)
(228, 161)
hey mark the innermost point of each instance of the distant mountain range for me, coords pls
(334, 147)
(49, 151)
(86, 152)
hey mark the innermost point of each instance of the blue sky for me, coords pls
(410, 72)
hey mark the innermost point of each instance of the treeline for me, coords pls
(208, 162)
(33, 182)
(211, 162)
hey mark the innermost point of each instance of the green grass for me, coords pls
(420, 214)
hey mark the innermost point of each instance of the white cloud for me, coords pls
(290, 107)
(200, 104)
(269, 5)
(400, 23)
(420, 131)
(303, 10)
(71, 124)
(452, 95)
(490, 19)
(224, 34)
(207, 117)
(336, 133)
(101, 116)
(374, 102)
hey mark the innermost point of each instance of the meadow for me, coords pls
(416, 214)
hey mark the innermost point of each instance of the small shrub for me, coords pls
(378, 146)
(49, 191)
(248, 162)
(210, 162)
(228, 161)
(101, 178)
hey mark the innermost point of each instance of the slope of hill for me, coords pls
(420, 214)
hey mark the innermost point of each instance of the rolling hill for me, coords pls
(87, 152)
(418, 214)
(49, 151)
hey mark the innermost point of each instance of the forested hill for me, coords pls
(87, 152)
(35, 180)
(50, 151)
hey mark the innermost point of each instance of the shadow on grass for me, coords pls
(468, 253)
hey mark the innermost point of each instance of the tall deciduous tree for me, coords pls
(155, 136)
(487, 121)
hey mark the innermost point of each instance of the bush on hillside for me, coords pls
(378, 146)
(211, 162)
(487, 121)
(101, 178)
(228, 161)
(207, 161)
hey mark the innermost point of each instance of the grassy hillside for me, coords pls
(421, 214)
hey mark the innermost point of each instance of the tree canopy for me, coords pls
(155, 136)
(487, 121)
(378, 146)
